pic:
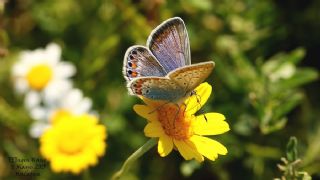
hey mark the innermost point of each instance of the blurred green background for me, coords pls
(265, 81)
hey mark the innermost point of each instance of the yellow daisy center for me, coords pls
(75, 144)
(175, 121)
(39, 76)
(71, 141)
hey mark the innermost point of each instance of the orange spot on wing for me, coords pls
(134, 74)
(134, 65)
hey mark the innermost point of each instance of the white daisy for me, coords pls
(72, 102)
(40, 74)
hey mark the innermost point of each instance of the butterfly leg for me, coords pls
(176, 115)
(198, 98)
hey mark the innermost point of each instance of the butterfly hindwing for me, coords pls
(169, 43)
(139, 62)
(160, 88)
(189, 77)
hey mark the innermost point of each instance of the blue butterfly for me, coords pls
(163, 69)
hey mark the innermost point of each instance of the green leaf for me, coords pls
(275, 126)
(292, 152)
(286, 105)
(304, 176)
(281, 59)
(302, 76)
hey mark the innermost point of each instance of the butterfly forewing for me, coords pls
(169, 43)
(139, 62)
(189, 77)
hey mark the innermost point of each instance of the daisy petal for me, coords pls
(84, 106)
(32, 99)
(56, 91)
(21, 85)
(39, 113)
(153, 103)
(195, 102)
(37, 129)
(64, 70)
(153, 129)
(19, 70)
(214, 125)
(188, 150)
(165, 145)
(208, 147)
(145, 112)
(53, 53)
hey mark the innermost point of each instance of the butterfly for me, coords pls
(163, 69)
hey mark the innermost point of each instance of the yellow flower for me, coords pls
(177, 127)
(73, 143)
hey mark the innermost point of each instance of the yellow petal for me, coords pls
(195, 102)
(153, 129)
(188, 150)
(214, 124)
(165, 145)
(208, 147)
(152, 103)
(145, 112)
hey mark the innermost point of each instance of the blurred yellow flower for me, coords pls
(178, 127)
(73, 143)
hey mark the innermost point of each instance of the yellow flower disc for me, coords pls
(174, 121)
(39, 76)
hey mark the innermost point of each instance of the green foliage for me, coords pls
(290, 163)
(263, 83)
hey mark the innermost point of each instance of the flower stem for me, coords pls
(138, 153)
(86, 175)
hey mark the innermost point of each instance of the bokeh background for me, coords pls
(265, 81)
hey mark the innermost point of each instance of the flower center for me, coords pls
(74, 134)
(72, 144)
(39, 76)
(175, 121)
